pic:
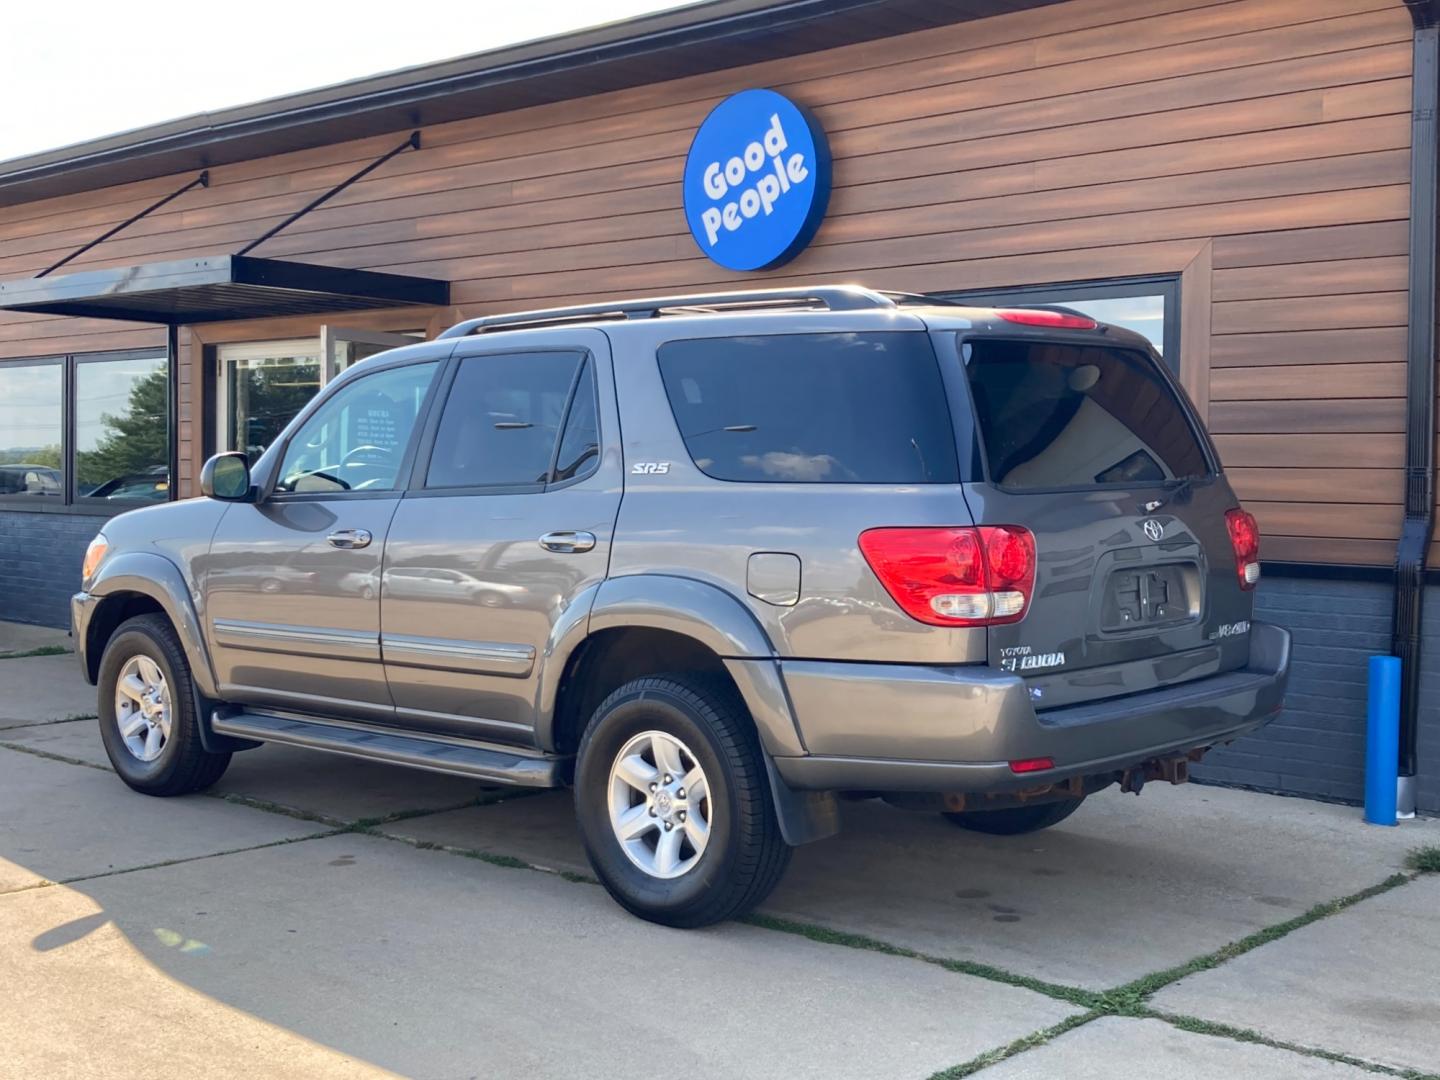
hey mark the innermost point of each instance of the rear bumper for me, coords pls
(886, 727)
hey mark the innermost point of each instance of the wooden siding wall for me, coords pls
(1258, 147)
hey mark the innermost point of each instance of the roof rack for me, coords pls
(830, 297)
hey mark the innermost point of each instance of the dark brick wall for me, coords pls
(40, 557)
(1316, 747)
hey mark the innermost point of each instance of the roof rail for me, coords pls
(831, 297)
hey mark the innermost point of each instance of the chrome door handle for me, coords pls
(568, 543)
(350, 538)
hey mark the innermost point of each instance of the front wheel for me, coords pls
(148, 721)
(1015, 820)
(674, 804)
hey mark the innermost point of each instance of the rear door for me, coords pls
(1092, 448)
(507, 528)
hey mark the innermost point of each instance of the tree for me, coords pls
(135, 441)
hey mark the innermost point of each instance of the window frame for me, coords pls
(404, 472)
(1166, 286)
(70, 502)
(426, 451)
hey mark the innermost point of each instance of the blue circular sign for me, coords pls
(757, 181)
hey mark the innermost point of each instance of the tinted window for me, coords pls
(357, 438)
(1065, 416)
(826, 408)
(501, 420)
(580, 445)
(30, 429)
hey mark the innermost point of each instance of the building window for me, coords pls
(262, 386)
(90, 430)
(121, 437)
(32, 424)
(1149, 306)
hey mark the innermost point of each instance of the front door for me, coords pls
(292, 582)
(508, 526)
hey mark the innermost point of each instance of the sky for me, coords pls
(72, 70)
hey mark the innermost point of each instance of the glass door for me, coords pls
(261, 386)
(342, 346)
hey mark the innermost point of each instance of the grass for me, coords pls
(1425, 860)
(1122, 1000)
(51, 756)
(1198, 1026)
(1019, 1046)
(826, 936)
(43, 650)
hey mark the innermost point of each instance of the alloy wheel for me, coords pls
(660, 807)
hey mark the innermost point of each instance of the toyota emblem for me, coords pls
(1153, 529)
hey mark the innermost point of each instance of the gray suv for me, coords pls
(714, 561)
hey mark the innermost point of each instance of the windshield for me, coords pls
(1057, 415)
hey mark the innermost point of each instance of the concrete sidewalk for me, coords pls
(315, 916)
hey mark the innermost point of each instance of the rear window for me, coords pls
(1068, 416)
(813, 408)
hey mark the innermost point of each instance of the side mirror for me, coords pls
(226, 477)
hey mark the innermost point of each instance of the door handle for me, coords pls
(568, 543)
(350, 538)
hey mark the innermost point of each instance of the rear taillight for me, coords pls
(955, 576)
(1062, 320)
(1245, 539)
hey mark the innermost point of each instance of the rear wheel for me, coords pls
(674, 804)
(1016, 819)
(147, 712)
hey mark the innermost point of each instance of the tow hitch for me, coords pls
(1175, 769)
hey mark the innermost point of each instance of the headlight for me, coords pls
(94, 555)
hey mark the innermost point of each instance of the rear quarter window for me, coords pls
(858, 408)
(1054, 415)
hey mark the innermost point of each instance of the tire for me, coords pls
(181, 763)
(743, 855)
(1016, 820)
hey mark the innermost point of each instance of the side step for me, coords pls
(491, 764)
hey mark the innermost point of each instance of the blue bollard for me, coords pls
(1382, 740)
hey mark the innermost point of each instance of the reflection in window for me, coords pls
(121, 449)
(31, 429)
(264, 387)
(1143, 314)
(1148, 306)
(501, 420)
(356, 440)
(1063, 416)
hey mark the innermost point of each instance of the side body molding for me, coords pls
(157, 577)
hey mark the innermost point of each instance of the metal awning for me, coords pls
(217, 288)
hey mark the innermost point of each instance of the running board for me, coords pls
(490, 764)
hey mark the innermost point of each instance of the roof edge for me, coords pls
(699, 37)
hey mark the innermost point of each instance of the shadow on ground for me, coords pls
(287, 941)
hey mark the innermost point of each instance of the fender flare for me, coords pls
(694, 609)
(155, 576)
